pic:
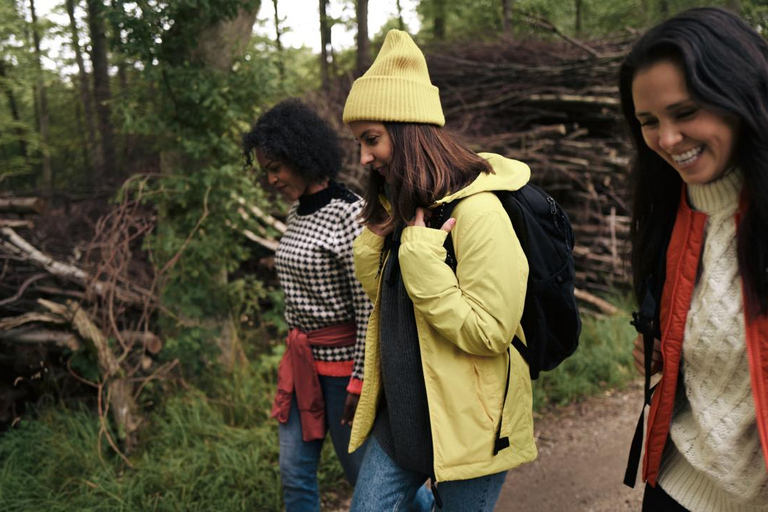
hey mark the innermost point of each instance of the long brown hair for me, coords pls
(427, 163)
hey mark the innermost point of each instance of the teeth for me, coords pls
(688, 156)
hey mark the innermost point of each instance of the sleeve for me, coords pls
(367, 253)
(349, 229)
(479, 308)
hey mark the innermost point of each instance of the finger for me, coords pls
(448, 226)
(418, 218)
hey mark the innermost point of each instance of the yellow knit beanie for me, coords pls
(396, 87)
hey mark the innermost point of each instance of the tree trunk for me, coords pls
(734, 5)
(362, 37)
(279, 45)
(400, 22)
(325, 43)
(44, 118)
(94, 160)
(578, 17)
(14, 111)
(438, 26)
(506, 6)
(218, 48)
(101, 92)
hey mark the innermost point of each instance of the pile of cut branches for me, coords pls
(555, 107)
(69, 288)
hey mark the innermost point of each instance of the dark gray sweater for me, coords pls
(402, 422)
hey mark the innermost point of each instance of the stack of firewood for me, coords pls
(554, 106)
(59, 295)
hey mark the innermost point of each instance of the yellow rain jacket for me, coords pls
(465, 322)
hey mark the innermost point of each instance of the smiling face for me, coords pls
(375, 146)
(284, 179)
(697, 142)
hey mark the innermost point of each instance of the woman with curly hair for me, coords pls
(320, 375)
(694, 92)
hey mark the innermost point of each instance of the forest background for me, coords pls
(140, 316)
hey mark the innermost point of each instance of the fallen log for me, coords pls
(22, 205)
(58, 338)
(67, 271)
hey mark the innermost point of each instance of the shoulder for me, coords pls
(477, 205)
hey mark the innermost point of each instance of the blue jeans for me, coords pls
(383, 486)
(299, 459)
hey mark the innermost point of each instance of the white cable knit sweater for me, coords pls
(714, 462)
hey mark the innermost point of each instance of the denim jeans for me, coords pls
(299, 459)
(383, 486)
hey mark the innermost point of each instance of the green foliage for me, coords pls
(199, 453)
(195, 115)
(602, 361)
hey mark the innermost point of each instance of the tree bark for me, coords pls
(14, 111)
(22, 205)
(44, 118)
(363, 44)
(279, 44)
(400, 22)
(325, 43)
(101, 92)
(578, 17)
(94, 160)
(506, 6)
(219, 45)
(438, 26)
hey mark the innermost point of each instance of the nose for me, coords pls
(366, 156)
(271, 178)
(669, 136)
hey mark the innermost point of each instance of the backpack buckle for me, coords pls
(641, 322)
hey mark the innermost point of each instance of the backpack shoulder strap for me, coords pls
(441, 214)
(648, 324)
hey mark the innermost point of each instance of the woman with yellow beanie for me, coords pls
(443, 397)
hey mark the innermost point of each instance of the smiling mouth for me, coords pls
(689, 156)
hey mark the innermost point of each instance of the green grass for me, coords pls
(602, 361)
(217, 450)
(197, 454)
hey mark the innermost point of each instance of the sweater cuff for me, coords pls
(355, 386)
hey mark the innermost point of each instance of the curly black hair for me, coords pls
(294, 134)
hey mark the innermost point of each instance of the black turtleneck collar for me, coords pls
(310, 203)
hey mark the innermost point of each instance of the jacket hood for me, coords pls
(509, 175)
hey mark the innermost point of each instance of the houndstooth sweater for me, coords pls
(316, 270)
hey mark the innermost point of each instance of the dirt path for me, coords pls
(582, 456)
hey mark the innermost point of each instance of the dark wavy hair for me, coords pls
(427, 163)
(725, 63)
(294, 134)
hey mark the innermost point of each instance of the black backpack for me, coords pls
(551, 320)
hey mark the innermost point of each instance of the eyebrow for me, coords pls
(668, 107)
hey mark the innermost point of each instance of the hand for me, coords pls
(639, 354)
(421, 213)
(350, 406)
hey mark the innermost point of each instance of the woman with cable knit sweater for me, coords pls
(319, 377)
(694, 92)
(443, 397)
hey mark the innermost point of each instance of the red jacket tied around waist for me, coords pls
(297, 373)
